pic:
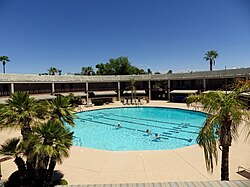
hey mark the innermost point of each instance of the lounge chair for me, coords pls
(137, 102)
(244, 171)
(141, 101)
(129, 101)
(124, 102)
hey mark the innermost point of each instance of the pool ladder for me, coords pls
(78, 140)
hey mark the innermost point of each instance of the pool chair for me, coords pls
(129, 102)
(244, 171)
(137, 102)
(124, 102)
(141, 101)
(133, 101)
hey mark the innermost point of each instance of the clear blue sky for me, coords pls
(157, 34)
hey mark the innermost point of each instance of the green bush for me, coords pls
(60, 182)
(98, 102)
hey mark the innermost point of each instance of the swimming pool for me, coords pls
(99, 128)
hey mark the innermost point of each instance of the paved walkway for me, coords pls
(92, 166)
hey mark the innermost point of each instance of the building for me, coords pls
(153, 86)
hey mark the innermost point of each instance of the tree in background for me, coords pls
(226, 113)
(52, 70)
(118, 66)
(87, 71)
(157, 72)
(132, 87)
(211, 56)
(59, 72)
(4, 59)
(149, 71)
(170, 71)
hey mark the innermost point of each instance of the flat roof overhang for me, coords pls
(75, 93)
(136, 91)
(99, 93)
(184, 91)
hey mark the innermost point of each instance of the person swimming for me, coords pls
(148, 131)
(119, 125)
(157, 136)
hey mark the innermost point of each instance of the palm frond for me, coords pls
(207, 140)
(10, 147)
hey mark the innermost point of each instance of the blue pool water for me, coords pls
(176, 128)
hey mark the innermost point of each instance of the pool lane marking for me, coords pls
(143, 124)
(167, 136)
(146, 119)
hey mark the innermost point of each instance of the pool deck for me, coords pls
(92, 166)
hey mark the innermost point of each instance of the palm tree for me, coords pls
(20, 111)
(59, 72)
(132, 88)
(226, 112)
(45, 146)
(211, 56)
(12, 148)
(4, 59)
(60, 110)
(52, 70)
(48, 143)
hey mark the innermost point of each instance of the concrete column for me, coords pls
(53, 87)
(149, 90)
(169, 89)
(204, 85)
(12, 89)
(119, 90)
(87, 90)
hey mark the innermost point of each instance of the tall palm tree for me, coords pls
(20, 111)
(211, 56)
(226, 112)
(52, 70)
(60, 110)
(132, 88)
(4, 59)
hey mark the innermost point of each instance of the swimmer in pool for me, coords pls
(148, 131)
(157, 136)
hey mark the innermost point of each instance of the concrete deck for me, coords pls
(92, 166)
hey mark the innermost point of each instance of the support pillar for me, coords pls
(87, 91)
(53, 88)
(12, 89)
(149, 90)
(169, 89)
(204, 85)
(119, 90)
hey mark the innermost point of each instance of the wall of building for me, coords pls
(33, 88)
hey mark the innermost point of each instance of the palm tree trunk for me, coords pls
(21, 168)
(25, 131)
(3, 67)
(49, 172)
(224, 163)
(211, 65)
